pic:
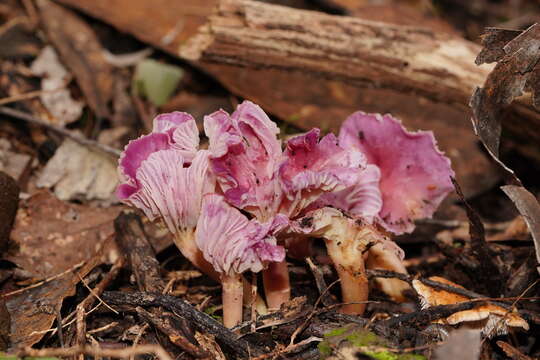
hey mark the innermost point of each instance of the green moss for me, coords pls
(363, 338)
(366, 341)
(324, 349)
(336, 332)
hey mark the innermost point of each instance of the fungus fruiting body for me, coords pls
(155, 171)
(490, 318)
(233, 244)
(231, 206)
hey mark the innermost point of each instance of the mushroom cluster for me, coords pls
(244, 202)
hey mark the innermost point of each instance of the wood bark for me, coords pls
(359, 52)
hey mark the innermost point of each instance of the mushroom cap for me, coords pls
(244, 153)
(156, 171)
(231, 242)
(415, 175)
(492, 318)
(318, 171)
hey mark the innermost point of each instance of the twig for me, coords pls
(429, 315)
(96, 351)
(59, 130)
(28, 95)
(289, 348)
(59, 322)
(162, 323)
(96, 294)
(182, 309)
(319, 281)
(73, 268)
(103, 328)
(312, 313)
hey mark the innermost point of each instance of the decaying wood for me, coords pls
(253, 34)
(163, 323)
(132, 239)
(201, 321)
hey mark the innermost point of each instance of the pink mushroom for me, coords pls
(256, 176)
(233, 244)
(415, 178)
(157, 169)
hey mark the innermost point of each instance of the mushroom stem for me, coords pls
(346, 241)
(349, 264)
(276, 283)
(232, 293)
(185, 242)
(384, 255)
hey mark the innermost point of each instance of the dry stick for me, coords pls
(319, 281)
(49, 279)
(144, 265)
(313, 312)
(182, 309)
(28, 95)
(163, 324)
(83, 307)
(59, 130)
(96, 352)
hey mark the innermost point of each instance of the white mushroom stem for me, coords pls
(346, 242)
(232, 294)
(386, 255)
(276, 283)
(185, 242)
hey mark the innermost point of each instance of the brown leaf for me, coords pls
(493, 41)
(53, 236)
(507, 81)
(5, 325)
(33, 311)
(528, 206)
(512, 352)
(81, 52)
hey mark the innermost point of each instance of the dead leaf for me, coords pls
(209, 344)
(55, 96)
(82, 53)
(52, 236)
(17, 40)
(512, 352)
(528, 206)
(510, 77)
(5, 325)
(463, 344)
(517, 70)
(14, 164)
(33, 311)
(75, 172)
